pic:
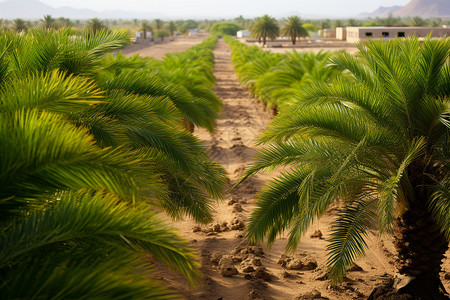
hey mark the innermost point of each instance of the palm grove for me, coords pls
(370, 132)
(91, 144)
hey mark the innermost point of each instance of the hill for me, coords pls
(421, 8)
(35, 9)
(425, 9)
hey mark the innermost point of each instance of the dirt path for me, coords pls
(158, 51)
(232, 145)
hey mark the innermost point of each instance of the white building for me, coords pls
(193, 32)
(243, 33)
(140, 35)
(355, 34)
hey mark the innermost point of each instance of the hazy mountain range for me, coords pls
(421, 8)
(35, 9)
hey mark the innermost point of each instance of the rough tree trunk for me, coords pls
(420, 249)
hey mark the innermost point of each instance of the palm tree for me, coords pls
(172, 28)
(93, 158)
(162, 34)
(48, 21)
(159, 24)
(145, 25)
(96, 25)
(377, 142)
(294, 29)
(265, 27)
(20, 25)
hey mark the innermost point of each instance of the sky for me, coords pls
(233, 8)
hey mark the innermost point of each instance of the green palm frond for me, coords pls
(375, 139)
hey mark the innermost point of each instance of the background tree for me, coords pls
(378, 143)
(20, 25)
(294, 29)
(162, 33)
(146, 27)
(96, 25)
(265, 27)
(48, 22)
(225, 28)
(159, 24)
(172, 27)
(418, 21)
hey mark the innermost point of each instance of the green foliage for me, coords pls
(264, 27)
(277, 79)
(294, 29)
(374, 140)
(225, 28)
(92, 144)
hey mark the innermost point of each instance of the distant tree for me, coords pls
(159, 24)
(64, 22)
(135, 21)
(20, 25)
(418, 21)
(309, 27)
(353, 22)
(265, 27)
(324, 24)
(371, 24)
(172, 27)
(95, 25)
(294, 29)
(145, 26)
(225, 28)
(48, 21)
(390, 20)
(339, 23)
(241, 21)
(162, 34)
(436, 22)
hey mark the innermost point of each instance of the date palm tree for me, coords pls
(159, 24)
(48, 21)
(146, 27)
(265, 27)
(172, 27)
(378, 143)
(20, 25)
(294, 29)
(95, 25)
(83, 166)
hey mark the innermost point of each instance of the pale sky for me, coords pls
(227, 8)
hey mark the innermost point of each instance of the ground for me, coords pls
(242, 120)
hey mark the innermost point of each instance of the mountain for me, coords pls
(382, 11)
(421, 8)
(35, 9)
(425, 9)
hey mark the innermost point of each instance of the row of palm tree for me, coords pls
(92, 144)
(375, 141)
(161, 29)
(277, 79)
(266, 27)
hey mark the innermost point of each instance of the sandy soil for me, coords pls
(319, 45)
(158, 51)
(232, 145)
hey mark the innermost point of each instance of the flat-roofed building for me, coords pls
(355, 34)
(243, 33)
(341, 33)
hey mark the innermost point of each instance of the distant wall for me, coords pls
(341, 33)
(355, 34)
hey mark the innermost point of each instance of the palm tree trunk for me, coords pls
(264, 41)
(420, 249)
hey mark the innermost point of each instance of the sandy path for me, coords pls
(158, 51)
(232, 145)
